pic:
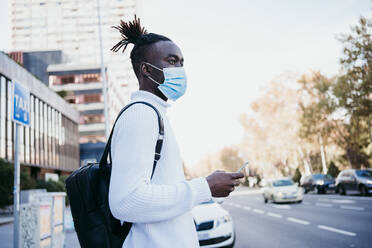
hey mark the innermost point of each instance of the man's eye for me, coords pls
(172, 61)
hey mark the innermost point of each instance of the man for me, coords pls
(160, 208)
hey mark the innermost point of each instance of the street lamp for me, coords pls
(103, 73)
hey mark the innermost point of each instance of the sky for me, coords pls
(232, 50)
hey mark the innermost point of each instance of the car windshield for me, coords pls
(321, 176)
(282, 182)
(364, 173)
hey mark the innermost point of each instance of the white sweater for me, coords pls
(160, 209)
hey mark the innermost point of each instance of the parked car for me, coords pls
(354, 181)
(282, 190)
(319, 183)
(214, 225)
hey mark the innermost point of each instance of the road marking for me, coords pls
(259, 211)
(282, 206)
(246, 192)
(274, 215)
(326, 205)
(246, 208)
(352, 208)
(345, 201)
(331, 229)
(303, 222)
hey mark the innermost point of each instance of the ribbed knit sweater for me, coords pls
(160, 209)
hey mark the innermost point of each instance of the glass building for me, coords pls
(51, 143)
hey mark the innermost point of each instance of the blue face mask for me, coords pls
(174, 85)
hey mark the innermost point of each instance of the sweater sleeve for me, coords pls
(132, 197)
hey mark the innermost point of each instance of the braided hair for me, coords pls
(133, 33)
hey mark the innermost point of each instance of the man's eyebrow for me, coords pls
(174, 55)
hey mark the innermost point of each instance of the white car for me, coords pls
(282, 190)
(214, 225)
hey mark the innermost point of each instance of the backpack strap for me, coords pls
(159, 142)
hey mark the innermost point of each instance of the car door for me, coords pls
(353, 182)
(348, 181)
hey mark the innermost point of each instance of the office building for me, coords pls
(81, 86)
(72, 27)
(50, 144)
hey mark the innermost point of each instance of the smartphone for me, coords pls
(243, 166)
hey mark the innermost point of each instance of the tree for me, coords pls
(271, 141)
(230, 159)
(333, 170)
(297, 175)
(338, 109)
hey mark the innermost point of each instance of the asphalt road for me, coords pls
(319, 221)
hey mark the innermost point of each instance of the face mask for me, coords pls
(174, 85)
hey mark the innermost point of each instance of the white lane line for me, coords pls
(351, 208)
(259, 211)
(246, 208)
(282, 206)
(303, 222)
(331, 229)
(326, 205)
(343, 201)
(274, 215)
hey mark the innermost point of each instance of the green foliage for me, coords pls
(6, 184)
(333, 170)
(51, 186)
(297, 175)
(62, 93)
(27, 182)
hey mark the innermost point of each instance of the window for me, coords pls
(92, 98)
(70, 79)
(88, 119)
(95, 77)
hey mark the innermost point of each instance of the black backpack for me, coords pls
(87, 190)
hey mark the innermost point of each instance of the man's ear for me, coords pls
(144, 70)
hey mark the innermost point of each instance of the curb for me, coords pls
(6, 220)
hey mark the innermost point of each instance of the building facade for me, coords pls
(81, 86)
(72, 26)
(50, 144)
(37, 62)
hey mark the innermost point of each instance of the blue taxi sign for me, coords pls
(21, 104)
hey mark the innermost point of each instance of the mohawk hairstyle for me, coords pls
(133, 33)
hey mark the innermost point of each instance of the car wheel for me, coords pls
(305, 191)
(363, 190)
(342, 190)
(300, 201)
(317, 190)
(265, 200)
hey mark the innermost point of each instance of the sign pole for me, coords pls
(20, 116)
(16, 189)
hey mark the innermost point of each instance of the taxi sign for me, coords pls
(21, 104)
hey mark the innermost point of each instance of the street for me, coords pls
(320, 221)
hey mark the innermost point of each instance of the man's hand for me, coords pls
(223, 183)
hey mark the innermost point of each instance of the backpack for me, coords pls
(88, 190)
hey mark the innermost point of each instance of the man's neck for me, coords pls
(156, 92)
